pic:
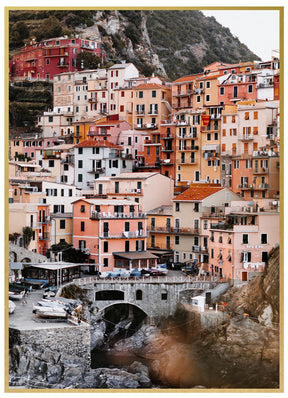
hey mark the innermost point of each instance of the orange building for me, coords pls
(112, 232)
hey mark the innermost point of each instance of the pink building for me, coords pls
(239, 246)
(112, 232)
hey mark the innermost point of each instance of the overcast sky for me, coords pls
(258, 29)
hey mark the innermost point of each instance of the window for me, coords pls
(207, 98)
(201, 85)
(51, 163)
(139, 294)
(224, 133)
(246, 116)
(105, 262)
(80, 177)
(177, 206)
(127, 226)
(62, 224)
(236, 164)
(105, 247)
(212, 253)
(255, 114)
(198, 98)
(222, 90)
(235, 91)
(80, 164)
(80, 151)
(264, 256)
(250, 88)
(82, 226)
(154, 94)
(82, 209)
(140, 94)
(207, 84)
(264, 240)
(245, 239)
(196, 207)
(177, 240)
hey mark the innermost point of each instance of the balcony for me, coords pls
(222, 226)
(164, 230)
(124, 235)
(95, 215)
(182, 123)
(140, 112)
(261, 170)
(185, 231)
(99, 170)
(151, 126)
(92, 100)
(62, 65)
(200, 249)
(153, 112)
(45, 236)
(245, 137)
(182, 93)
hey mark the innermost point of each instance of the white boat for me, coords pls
(49, 312)
(16, 295)
(11, 307)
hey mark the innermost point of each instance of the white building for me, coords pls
(96, 158)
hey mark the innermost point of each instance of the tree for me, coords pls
(69, 253)
(27, 236)
(87, 60)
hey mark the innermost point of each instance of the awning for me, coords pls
(160, 252)
(210, 147)
(135, 255)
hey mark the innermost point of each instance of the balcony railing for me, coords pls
(45, 236)
(185, 231)
(124, 235)
(245, 137)
(95, 215)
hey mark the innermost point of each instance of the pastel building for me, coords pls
(113, 233)
(149, 190)
(239, 245)
(191, 211)
(160, 227)
(37, 217)
(94, 158)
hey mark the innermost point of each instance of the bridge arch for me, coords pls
(111, 305)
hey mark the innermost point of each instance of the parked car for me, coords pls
(156, 271)
(177, 266)
(135, 273)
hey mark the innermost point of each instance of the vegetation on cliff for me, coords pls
(171, 42)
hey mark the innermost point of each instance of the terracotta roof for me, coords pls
(189, 78)
(198, 192)
(109, 123)
(97, 143)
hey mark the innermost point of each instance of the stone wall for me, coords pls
(50, 357)
(158, 299)
(18, 253)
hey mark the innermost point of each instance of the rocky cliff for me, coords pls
(169, 42)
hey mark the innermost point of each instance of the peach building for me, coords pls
(113, 233)
(37, 217)
(150, 190)
(192, 210)
(160, 227)
(151, 105)
(239, 246)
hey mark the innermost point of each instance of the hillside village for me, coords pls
(136, 171)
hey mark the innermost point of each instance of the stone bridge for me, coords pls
(155, 296)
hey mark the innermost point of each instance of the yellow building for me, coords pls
(61, 228)
(151, 105)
